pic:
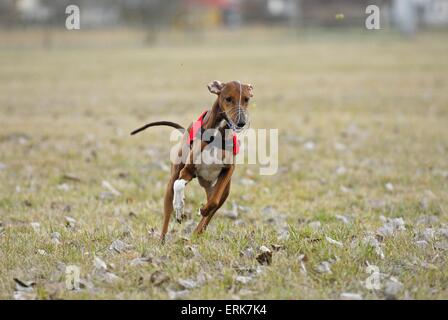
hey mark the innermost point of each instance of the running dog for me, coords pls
(207, 146)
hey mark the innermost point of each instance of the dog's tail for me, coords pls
(159, 123)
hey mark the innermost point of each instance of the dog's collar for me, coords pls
(196, 131)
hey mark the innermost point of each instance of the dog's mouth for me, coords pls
(237, 126)
(238, 129)
(237, 121)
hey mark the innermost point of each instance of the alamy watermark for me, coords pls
(72, 277)
(73, 20)
(256, 146)
(373, 282)
(373, 20)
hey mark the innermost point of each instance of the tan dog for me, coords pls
(227, 116)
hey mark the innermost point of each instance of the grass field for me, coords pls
(363, 141)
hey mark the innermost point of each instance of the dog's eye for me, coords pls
(246, 99)
(229, 99)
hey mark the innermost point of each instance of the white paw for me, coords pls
(178, 200)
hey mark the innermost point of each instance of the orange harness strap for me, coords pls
(196, 130)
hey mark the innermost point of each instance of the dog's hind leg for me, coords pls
(168, 208)
(168, 201)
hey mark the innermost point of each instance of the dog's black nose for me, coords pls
(241, 123)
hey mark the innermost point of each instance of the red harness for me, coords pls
(196, 128)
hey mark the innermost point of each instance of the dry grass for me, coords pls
(374, 105)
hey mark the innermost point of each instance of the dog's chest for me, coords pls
(210, 165)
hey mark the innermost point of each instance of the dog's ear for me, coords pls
(215, 86)
(250, 88)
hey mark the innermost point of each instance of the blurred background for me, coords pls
(198, 16)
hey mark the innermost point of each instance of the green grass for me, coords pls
(68, 110)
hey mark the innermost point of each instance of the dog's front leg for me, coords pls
(218, 191)
(185, 176)
(217, 198)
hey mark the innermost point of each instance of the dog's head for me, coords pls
(233, 98)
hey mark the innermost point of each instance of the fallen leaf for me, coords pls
(441, 245)
(120, 246)
(54, 289)
(350, 296)
(324, 267)
(99, 264)
(341, 170)
(428, 220)
(243, 279)
(429, 234)
(24, 290)
(175, 295)
(70, 222)
(391, 226)
(35, 226)
(158, 278)
(110, 277)
(392, 288)
(24, 285)
(343, 219)
(111, 189)
(247, 253)
(265, 256)
(140, 261)
(377, 204)
(332, 241)
(64, 187)
(189, 226)
(277, 247)
(71, 177)
(55, 238)
(315, 225)
(422, 244)
(106, 195)
(370, 240)
(246, 292)
(153, 233)
(187, 283)
(282, 234)
(23, 295)
(302, 259)
(309, 145)
(192, 251)
(202, 278)
(27, 203)
(339, 146)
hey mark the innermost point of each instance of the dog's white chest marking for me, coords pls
(211, 165)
